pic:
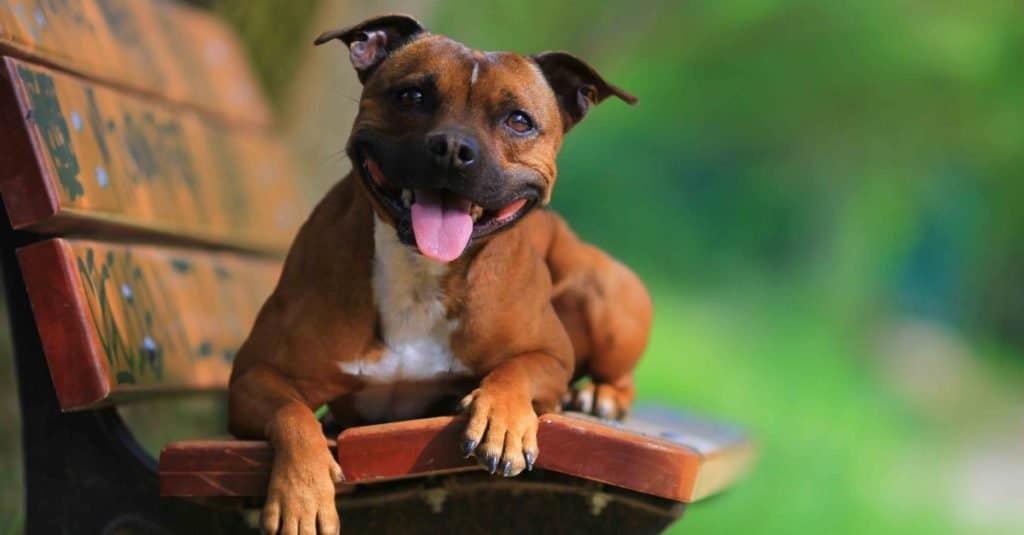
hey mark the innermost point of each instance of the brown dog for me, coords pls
(430, 272)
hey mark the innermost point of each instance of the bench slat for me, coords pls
(668, 458)
(120, 322)
(154, 47)
(105, 162)
(238, 468)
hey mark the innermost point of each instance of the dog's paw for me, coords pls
(603, 400)
(300, 499)
(502, 431)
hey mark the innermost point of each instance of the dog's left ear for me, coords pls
(370, 41)
(577, 85)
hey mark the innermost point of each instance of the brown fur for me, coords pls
(535, 306)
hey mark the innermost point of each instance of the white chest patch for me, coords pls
(410, 305)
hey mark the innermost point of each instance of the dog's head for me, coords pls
(453, 144)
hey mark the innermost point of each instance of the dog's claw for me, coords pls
(529, 461)
(492, 464)
(468, 447)
(506, 470)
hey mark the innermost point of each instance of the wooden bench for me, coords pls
(148, 205)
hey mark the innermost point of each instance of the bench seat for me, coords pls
(669, 457)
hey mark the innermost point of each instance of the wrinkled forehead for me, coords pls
(461, 74)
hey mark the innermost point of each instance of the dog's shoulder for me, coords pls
(322, 299)
(335, 242)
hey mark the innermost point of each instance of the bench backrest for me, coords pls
(140, 162)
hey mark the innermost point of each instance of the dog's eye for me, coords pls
(410, 97)
(519, 122)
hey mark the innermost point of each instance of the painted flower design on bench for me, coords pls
(170, 318)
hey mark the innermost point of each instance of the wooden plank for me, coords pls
(240, 468)
(124, 322)
(658, 457)
(90, 158)
(153, 47)
(402, 449)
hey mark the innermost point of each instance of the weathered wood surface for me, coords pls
(662, 457)
(126, 321)
(159, 48)
(239, 468)
(87, 157)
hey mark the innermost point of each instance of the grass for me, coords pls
(11, 485)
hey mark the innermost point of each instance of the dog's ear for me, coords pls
(577, 85)
(370, 41)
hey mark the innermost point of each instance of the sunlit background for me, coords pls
(826, 201)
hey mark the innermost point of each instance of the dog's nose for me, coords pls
(453, 149)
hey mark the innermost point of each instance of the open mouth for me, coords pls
(442, 222)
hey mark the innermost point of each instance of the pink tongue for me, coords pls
(442, 224)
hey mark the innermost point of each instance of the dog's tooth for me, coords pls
(406, 197)
(476, 212)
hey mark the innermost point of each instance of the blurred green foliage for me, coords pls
(799, 177)
(275, 33)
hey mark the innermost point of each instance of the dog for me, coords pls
(432, 273)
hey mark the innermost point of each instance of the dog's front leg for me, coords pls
(300, 498)
(502, 427)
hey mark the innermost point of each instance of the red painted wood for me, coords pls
(218, 468)
(631, 457)
(27, 196)
(213, 483)
(402, 449)
(599, 452)
(77, 365)
(227, 456)
(574, 446)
